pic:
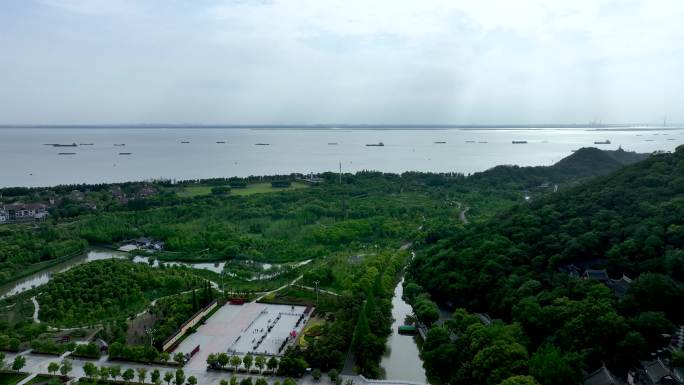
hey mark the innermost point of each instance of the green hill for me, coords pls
(583, 163)
(519, 268)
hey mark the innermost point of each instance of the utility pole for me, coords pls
(340, 172)
(223, 283)
(316, 283)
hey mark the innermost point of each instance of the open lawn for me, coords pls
(257, 188)
(254, 188)
(193, 191)
(11, 378)
(43, 379)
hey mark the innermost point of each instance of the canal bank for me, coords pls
(401, 360)
(43, 276)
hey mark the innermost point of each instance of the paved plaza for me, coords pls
(250, 328)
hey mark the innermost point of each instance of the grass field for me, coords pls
(193, 191)
(254, 188)
(43, 379)
(258, 188)
(11, 378)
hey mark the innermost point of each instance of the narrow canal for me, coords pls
(42, 277)
(401, 360)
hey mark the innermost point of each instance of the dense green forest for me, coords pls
(523, 266)
(102, 290)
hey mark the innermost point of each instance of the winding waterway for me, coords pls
(401, 361)
(43, 276)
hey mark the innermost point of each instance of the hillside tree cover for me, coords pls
(519, 267)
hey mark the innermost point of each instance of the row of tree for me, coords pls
(221, 360)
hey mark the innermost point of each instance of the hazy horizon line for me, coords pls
(350, 125)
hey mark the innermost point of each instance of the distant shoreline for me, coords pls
(464, 127)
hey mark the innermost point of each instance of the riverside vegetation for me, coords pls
(352, 228)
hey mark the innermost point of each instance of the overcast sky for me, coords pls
(345, 61)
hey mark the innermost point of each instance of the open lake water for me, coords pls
(157, 153)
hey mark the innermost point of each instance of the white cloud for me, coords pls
(348, 60)
(96, 7)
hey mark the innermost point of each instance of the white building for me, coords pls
(22, 212)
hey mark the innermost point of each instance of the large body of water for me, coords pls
(159, 153)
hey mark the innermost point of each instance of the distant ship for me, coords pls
(221, 142)
(64, 145)
(185, 142)
(519, 142)
(262, 144)
(483, 142)
(119, 144)
(440, 142)
(470, 141)
(124, 153)
(85, 144)
(602, 142)
(380, 144)
(332, 144)
(66, 153)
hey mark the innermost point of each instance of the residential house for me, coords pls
(23, 212)
(656, 373)
(596, 275)
(142, 243)
(602, 377)
(146, 191)
(118, 194)
(620, 286)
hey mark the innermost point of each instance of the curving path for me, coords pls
(462, 215)
(36, 309)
